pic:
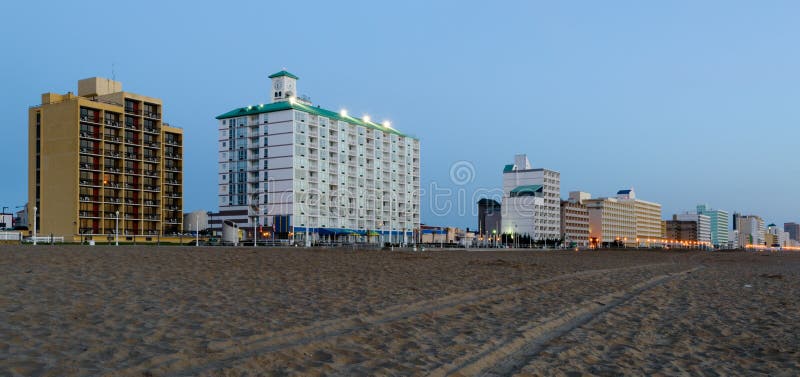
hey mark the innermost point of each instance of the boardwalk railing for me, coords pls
(10, 236)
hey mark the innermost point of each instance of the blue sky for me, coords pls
(686, 101)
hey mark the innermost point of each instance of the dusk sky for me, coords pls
(685, 101)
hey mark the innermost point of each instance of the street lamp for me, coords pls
(116, 231)
(34, 224)
(210, 222)
(494, 237)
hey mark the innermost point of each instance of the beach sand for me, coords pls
(186, 311)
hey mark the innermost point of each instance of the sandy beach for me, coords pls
(188, 311)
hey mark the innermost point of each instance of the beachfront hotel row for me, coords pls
(103, 165)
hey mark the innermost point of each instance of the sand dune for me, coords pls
(147, 311)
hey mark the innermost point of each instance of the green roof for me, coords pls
(287, 105)
(526, 189)
(283, 73)
(508, 168)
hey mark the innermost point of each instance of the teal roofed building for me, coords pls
(293, 170)
(719, 224)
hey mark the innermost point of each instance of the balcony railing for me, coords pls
(91, 119)
(112, 123)
(154, 115)
(131, 110)
(90, 166)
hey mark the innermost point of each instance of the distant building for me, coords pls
(719, 224)
(793, 229)
(624, 219)
(751, 230)
(702, 229)
(575, 219)
(777, 237)
(531, 200)
(489, 217)
(682, 230)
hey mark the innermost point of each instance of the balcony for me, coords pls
(111, 138)
(151, 203)
(90, 135)
(90, 199)
(88, 166)
(91, 214)
(112, 123)
(152, 115)
(133, 110)
(90, 119)
(112, 153)
(95, 151)
(151, 130)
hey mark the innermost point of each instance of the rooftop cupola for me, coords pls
(284, 86)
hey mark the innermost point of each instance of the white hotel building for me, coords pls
(531, 200)
(288, 167)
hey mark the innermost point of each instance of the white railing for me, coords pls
(10, 236)
(45, 239)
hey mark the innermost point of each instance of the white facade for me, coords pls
(538, 215)
(751, 230)
(719, 224)
(288, 162)
(703, 225)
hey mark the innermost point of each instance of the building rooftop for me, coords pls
(283, 73)
(526, 190)
(316, 110)
(488, 202)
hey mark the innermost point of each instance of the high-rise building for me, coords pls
(531, 200)
(793, 229)
(575, 219)
(299, 168)
(489, 217)
(702, 229)
(624, 219)
(751, 230)
(104, 160)
(719, 224)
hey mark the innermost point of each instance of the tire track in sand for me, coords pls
(221, 353)
(503, 358)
